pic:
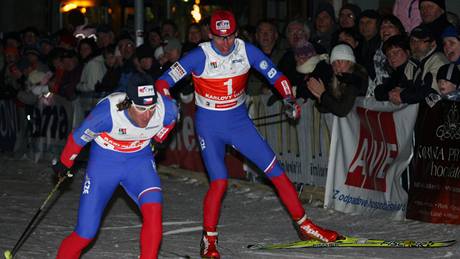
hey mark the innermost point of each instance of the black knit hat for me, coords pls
(145, 51)
(326, 7)
(140, 89)
(422, 32)
(356, 10)
(395, 21)
(440, 3)
(373, 14)
(449, 72)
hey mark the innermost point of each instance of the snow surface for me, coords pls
(251, 213)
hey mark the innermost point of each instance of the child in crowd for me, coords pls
(448, 78)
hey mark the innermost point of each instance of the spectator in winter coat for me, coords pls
(296, 31)
(311, 65)
(266, 38)
(348, 82)
(112, 76)
(433, 13)
(324, 27)
(193, 37)
(389, 27)
(397, 52)
(448, 78)
(348, 16)
(451, 46)
(105, 36)
(369, 25)
(421, 70)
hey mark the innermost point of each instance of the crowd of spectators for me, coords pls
(330, 60)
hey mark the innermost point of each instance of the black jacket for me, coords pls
(340, 95)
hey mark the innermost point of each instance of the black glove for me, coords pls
(60, 169)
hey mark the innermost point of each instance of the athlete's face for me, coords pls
(224, 44)
(141, 115)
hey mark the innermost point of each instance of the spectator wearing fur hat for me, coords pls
(349, 81)
(311, 65)
(451, 44)
(324, 27)
(433, 13)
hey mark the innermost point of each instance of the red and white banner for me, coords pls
(370, 148)
(434, 194)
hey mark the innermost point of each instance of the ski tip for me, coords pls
(8, 254)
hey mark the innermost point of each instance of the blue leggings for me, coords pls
(135, 172)
(216, 129)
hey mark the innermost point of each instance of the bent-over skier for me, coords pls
(120, 128)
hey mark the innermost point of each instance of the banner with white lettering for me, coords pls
(183, 150)
(370, 148)
(8, 125)
(51, 122)
(434, 195)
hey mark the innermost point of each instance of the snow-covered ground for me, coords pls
(251, 213)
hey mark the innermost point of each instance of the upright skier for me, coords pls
(121, 127)
(220, 70)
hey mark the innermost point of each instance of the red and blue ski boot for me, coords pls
(308, 230)
(208, 247)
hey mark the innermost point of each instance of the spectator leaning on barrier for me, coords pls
(451, 44)
(397, 52)
(348, 82)
(421, 70)
(389, 27)
(311, 65)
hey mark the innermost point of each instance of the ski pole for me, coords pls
(267, 116)
(9, 254)
(270, 123)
